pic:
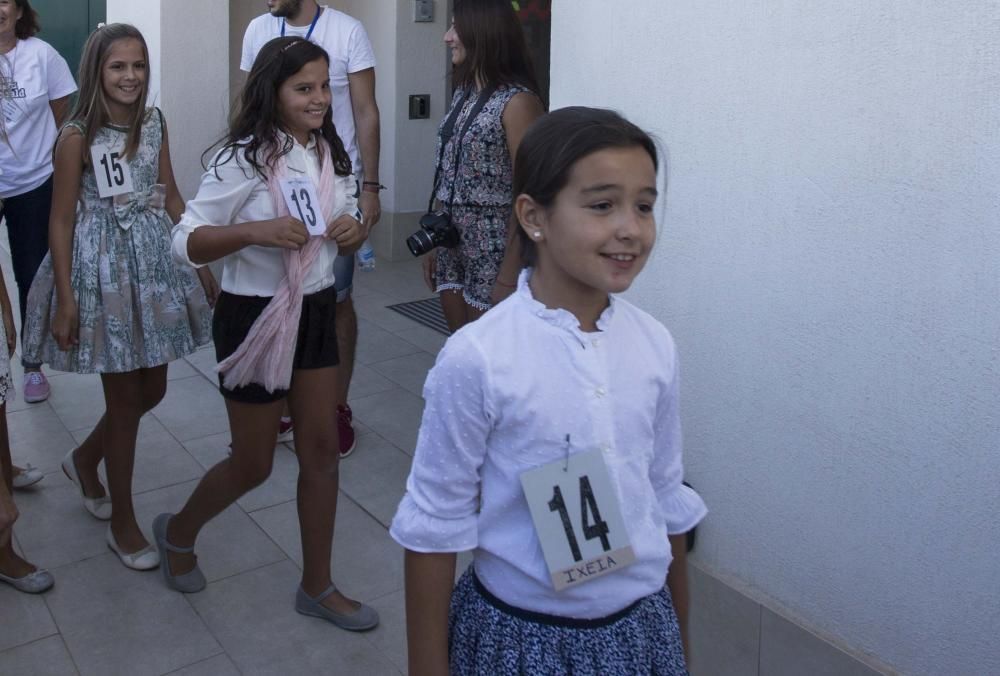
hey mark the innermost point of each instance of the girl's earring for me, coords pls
(537, 234)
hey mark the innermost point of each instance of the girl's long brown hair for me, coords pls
(91, 109)
(496, 51)
(255, 125)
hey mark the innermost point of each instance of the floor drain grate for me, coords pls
(425, 312)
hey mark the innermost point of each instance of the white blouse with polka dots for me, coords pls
(504, 393)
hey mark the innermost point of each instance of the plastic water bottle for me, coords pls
(366, 256)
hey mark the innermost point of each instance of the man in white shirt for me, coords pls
(356, 117)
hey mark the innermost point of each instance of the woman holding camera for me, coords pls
(496, 100)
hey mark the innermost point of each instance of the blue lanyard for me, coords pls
(312, 26)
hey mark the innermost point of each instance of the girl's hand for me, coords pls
(430, 269)
(209, 284)
(10, 330)
(281, 233)
(348, 232)
(66, 325)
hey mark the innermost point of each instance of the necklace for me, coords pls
(13, 63)
(8, 87)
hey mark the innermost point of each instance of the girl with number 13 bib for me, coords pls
(109, 298)
(277, 205)
(550, 444)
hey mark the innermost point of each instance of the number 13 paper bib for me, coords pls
(302, 201)
(577, 518)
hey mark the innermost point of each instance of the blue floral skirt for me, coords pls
(488, 636)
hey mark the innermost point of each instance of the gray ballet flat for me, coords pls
(33, 583)
(190, 582)
(362, 619)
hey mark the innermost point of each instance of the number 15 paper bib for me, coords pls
(114, 177)
(577, 518)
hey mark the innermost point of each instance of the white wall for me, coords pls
(422, 69)
(189, 50)
(411, 60)
(241, 13)
(829, 266)
(144, 15)
(379, 20)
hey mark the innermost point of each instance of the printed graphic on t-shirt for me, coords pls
(10, 94)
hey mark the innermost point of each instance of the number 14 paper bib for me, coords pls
(578, 519)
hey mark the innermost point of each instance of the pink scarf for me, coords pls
(265, 355)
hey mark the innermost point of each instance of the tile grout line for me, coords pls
(59, 633)
(72, 659)
(760, 635)
(38, 639)
(194, 664)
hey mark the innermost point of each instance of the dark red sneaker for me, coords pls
(345, 430)
(285, 430)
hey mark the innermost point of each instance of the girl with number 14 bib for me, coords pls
(550, 444)
(108, 298)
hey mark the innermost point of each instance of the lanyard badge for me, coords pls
(312, 26)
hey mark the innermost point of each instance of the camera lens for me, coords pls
(420, 242)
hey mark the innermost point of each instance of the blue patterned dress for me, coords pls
(138, 308)
(478, 196)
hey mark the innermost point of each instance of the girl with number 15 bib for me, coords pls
(550, 444)
(108, 298)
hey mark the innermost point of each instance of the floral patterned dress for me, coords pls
(477, 195)
(138, 307)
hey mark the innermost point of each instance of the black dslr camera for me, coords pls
(435, 230)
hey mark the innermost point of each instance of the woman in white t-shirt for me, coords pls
(35, 86)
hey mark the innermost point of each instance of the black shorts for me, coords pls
(315, 347)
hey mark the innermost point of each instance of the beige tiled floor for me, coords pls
(102, 619)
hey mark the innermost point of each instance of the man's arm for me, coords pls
(366, 122)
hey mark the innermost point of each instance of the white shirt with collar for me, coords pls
(504, 393)
(232, 193)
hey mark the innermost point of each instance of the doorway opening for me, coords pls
(536, 18)
(67, 25)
